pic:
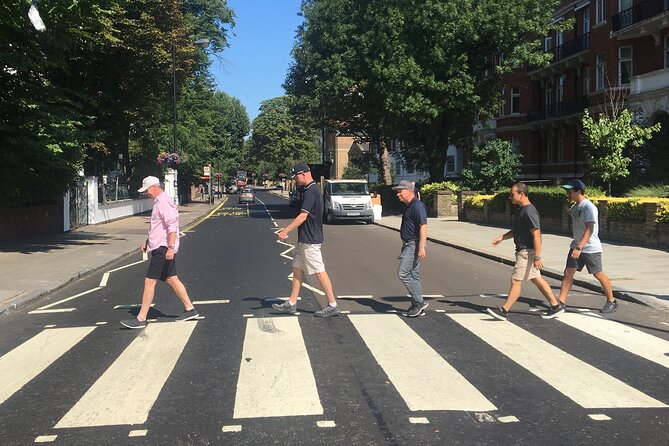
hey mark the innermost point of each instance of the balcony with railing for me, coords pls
(559, 109)
(565, 53)
(652, 13)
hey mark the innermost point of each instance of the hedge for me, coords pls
(662, 214)
(428, 190)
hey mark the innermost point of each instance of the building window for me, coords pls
(666, 51)
(586, 81)
(560, 89)
(624, 5)
(549, 147)
(601, 71)
(549, 93)
(601, 10)
(548, 44)
(502, 102)
(559, 38)
(560, 147)
(515, 144)
(624, 65)
(450, 164)
(515, 100)
(586, 20)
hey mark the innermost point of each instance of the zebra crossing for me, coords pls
(275, 378)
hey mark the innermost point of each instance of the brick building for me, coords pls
(614, 44)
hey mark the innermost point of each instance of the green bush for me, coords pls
(626, 210)
(651, 190)
(477, 201)
(662, 214)
(428, 190)
(498, 202)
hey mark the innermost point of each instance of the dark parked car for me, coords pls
(294, 199)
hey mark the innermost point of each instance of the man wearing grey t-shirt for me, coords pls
(585, 249)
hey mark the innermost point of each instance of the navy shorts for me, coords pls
(592, 260)
(159, 267)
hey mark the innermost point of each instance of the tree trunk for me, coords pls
(386, 175)
(435, 140)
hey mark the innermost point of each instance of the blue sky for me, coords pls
(255, 66)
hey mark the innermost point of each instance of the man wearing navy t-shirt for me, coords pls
(308, 257)
(414, 238)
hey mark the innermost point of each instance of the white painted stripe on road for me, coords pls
(105, 278)
(46, 438)
(129, 306)
(599, 417)
(247, 315)
(211, 302)
(138, 433)
(232, 428)
(25, 362)
(430, 295)
(68, 299)
(49, 326)
(508, 419)
(125, 393)
(326, 423)
(126, 266)
(419, 420)
(275, 377)
(356, 296)
(630, 339)
(582, 383)
(53, 310)
(101, 323)
(407, 360)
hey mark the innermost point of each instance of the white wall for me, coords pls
(105, 212)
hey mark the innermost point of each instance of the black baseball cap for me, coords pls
(575, 184)
(299, 168)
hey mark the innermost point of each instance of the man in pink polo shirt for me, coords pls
(163, 242)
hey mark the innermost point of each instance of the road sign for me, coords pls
(207, 170)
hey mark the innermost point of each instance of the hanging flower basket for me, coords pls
(169, 159)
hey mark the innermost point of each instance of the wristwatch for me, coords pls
(171, 246)
(537, 258)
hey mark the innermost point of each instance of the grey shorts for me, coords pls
(308, 258)
(592, 260)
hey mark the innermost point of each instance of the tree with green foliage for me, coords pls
(606, 140)
(421, 71)
(491, 167)
(279, 138)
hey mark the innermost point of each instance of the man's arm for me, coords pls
(422, 241)
(589, 229)
(297, 221)
(536, 238)
(502, 237)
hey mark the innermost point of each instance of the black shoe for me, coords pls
(417, 309)
(554, 311)
(133, 323)
(188, 315)
(499, 313)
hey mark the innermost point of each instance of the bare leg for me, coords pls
(298, 277)
(514, 294)
(567, 282)
(326, 283)
(546, 290)
(147, 298)
(180, 291)
(606, 285)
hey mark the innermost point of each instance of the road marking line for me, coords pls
(493, 295)
(280, 298)
(630, 339)
(508, 419)
(391, 311)
(125, 393)
(583, 310)
(579, 381)
(665, 323)
(345, 312)
(125, 266)
(192, 226)
(440, 311)
(232, 428)
(138, 433)
(247, 315)
(599, 417)
(419, 420)
(211, 302)
(356, 296)
(430, 295)
(534, 310)
(46, 438)
(129, 306)
(105, 278)
(25, 362)
(398, 349)
(326, 423)
(49, 326)
(53, 310)
(274, 359)
(68, 299)
(101, 323)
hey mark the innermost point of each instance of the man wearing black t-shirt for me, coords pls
(308, 257)
(526, 234)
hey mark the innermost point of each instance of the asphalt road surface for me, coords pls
(242, 374)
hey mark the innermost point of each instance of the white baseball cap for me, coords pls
(148, 182)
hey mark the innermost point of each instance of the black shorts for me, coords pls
(159, 267)
(592, 260)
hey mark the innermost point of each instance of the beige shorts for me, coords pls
(308, 258)
(524, 269)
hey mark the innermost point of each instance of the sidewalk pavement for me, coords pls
(33, 267)
(637, 274)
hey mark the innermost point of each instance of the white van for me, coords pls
(347, 200)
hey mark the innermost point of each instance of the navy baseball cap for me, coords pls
(299, 168)
(575, 184)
